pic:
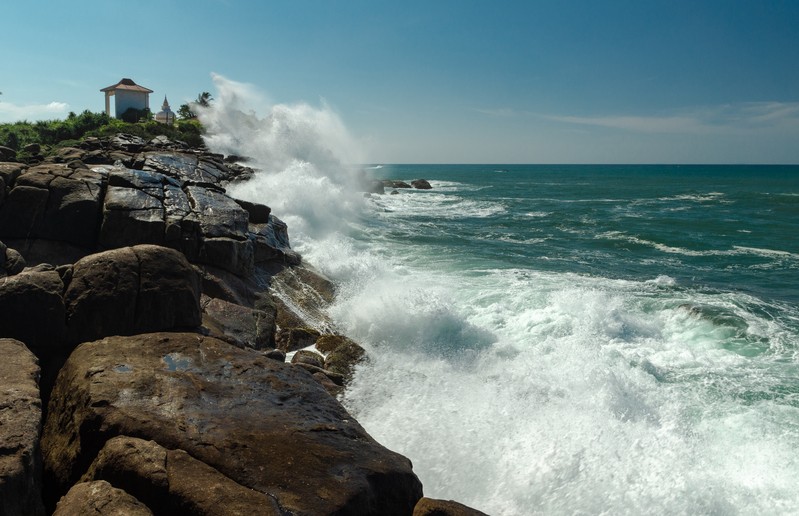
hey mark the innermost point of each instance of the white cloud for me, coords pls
(10, 112)
(741, 118)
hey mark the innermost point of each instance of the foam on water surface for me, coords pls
(548, 341)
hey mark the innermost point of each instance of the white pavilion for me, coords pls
(127, 94)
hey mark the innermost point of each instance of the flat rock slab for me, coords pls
(20, 421)
(265, 425)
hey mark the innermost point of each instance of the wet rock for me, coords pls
(328, 343)
(127, 142)
(186, 168)
(306, 356)
(272, 243)
(131, 290)
(421, 184)
(344, 358)
(302, 295)
(32, 310)
(267, 426)
(393, 183)
(239, 325)
(259, 213)
(20, 422)
(434, 507)
(99, 498)
(54, 202)
(174, 482)
(292, 339)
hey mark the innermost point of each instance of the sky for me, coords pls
(443, 81)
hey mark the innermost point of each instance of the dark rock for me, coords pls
(32, 148)
(131, 290)
(421, 184)
(239, 325)
(37, 250)
(186, 168)
(306, 356)
(328, 343)
(344, 358)
(14, 262)
(236, 256)
(127, 142)
(393, 183)
(292, 339)
(259, 213)
(275, 354)
(66, 154)
(219, 215)
(54, 202)
(174, 482)
(20, 421)
(32, 310)
(394, 192)
(7, 154)
(99, 498)
(434, 507)
(267, 426)
(9, 172)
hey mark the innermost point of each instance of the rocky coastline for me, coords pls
(145, 320)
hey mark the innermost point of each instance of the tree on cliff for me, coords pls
(185, 112)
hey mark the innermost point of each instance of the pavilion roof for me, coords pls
(127, 84)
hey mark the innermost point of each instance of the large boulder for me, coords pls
(7, 154)
(421, 184)
(20, 422)
(131, 290)
(32, 310)
(55, 202)
(100, 498)
(174, 482)
(265, 425)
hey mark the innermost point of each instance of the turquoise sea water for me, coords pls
(554, 339)
(582, 339)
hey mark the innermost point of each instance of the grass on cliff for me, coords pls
(53, 133)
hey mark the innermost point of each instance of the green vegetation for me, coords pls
(52, 133)
(185, 110)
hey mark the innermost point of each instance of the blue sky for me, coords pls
(444, 81)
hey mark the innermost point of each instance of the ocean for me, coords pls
(583, 339)
(549, 339)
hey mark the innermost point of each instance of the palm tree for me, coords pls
(204, 99)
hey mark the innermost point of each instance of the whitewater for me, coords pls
(552, 340)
